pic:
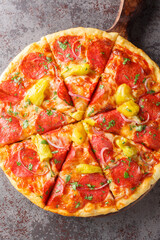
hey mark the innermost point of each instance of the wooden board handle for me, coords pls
(127, 9)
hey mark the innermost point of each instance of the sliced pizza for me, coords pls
(130, 72)
(32, 165)
(131, 168)
(82, 55)
(81, 188)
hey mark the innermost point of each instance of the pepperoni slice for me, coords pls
(57, 193)
(98, 94)
(126, 174)
(98, 53)
(67, 48)
(91, 189)
(10, 129)
(48, 121)
(102, 147)
(148, 135)
(63, 94)
(47, 189)
(150, 104)
(27, 157)
(130, 73)
(109, 121)
(34, 65)
(59, 156)
(12, 90)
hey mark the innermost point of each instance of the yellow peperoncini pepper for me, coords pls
(126, 147)
(76, 69)
(43, 148)
(123, 94)
(129, 109)
(78, 115)
(36, 93)
(78, 134)
(86, 168)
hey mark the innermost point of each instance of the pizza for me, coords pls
(80, 122)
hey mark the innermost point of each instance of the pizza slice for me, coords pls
(81, 188)
(32, 165)
(130, 72)
(81, 55)
(33, 98)
(139, 121)
(131, 168)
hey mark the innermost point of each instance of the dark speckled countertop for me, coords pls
(23, 22)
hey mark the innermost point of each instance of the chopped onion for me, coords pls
(126, 119)
(73, 48)
(102, 154)
(77, 95)
(146, 84)
(54, 145)
(148, 117)
(134, 120)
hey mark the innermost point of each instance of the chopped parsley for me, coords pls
(30, 166)
(18, 163)
(77, 205)
(62, 45)
(151, 92)
(68, 177)
(90, 186)
(74, 185)
(111, 124)
(136, 78)
(25, 124)
(109, 181)
(101, 86)
(92, 111)
(49, 112)
(126, 175)
(125, 60)
(140, 128)
(55, 152)
(89, 197)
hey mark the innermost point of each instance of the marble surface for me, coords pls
(23, 22)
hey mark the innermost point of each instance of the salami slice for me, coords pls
(130, 73)
(10, 129)
(12, 90)
(67, 48)
(91, 188)
(35, 65)
(59, 155)
(98, 53)
(126, 174)
(57, 193)
(47, 189)
(149, 136)
(98, 94)
(49, 120)
(109, 121)
(63, 93)
(25, 157)
(150, 104)
(102, 147)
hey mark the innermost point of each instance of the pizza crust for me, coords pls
(80, 31)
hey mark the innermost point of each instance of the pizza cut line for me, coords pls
(80, 122)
